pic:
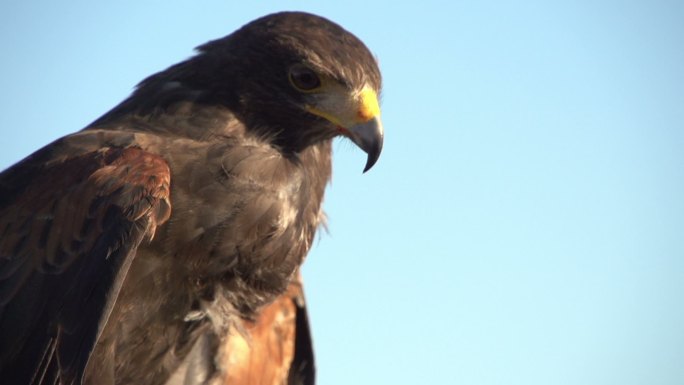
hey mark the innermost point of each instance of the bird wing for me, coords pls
(302, 369)
(69, 229)
(275, 348)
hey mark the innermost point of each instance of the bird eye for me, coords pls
(304, 79)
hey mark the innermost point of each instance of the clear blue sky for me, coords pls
(525, 224)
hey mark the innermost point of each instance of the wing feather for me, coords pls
(70, 227)
(276, 347)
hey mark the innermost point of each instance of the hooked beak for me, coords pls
(368, 136)
(357, 116)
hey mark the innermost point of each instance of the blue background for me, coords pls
(524, 224)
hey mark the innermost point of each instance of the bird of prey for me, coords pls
(161, 244)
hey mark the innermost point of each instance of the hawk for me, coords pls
(161, 244)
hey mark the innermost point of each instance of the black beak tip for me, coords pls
(373, 152)
(369, 136)
(373, 157)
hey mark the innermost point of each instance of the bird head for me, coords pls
(300, 79)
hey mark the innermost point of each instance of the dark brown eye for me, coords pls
(304, 79)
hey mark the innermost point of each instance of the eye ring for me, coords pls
(304, 78)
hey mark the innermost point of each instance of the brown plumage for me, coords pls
(159, 245)
(275, 348)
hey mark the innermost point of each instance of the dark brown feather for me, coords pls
(67, 239)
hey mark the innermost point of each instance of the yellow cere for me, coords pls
(369, 107)
(344, 109)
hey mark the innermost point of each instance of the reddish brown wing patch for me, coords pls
(62, 210)
(140, 181)
(268, 355)
(68, 227)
